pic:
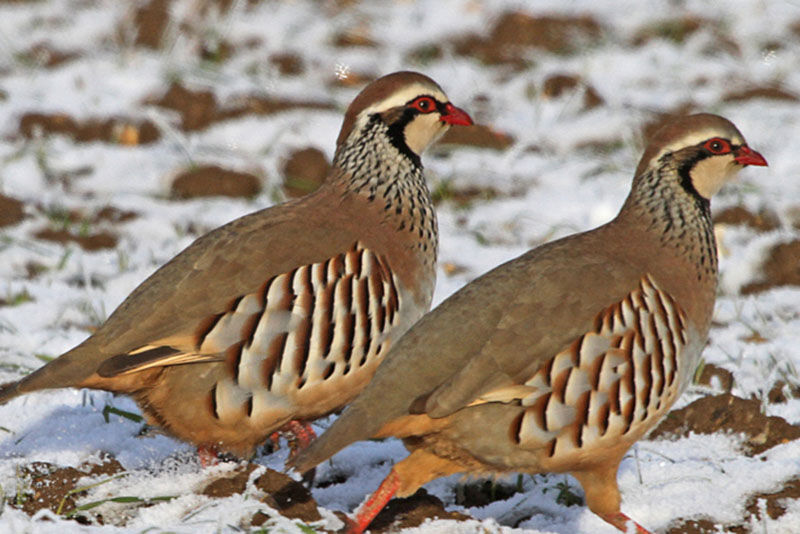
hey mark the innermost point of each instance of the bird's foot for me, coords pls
(208, 455)
(299, 434)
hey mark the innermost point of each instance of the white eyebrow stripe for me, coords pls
(697, 137)
(402, 96)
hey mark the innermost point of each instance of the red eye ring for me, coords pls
(424, 104)
(717, 146)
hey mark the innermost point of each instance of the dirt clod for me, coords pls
(477, 136)
(515, 32)
(11, 211)
(48, 486)
(763, 221)
(767, 93)
(712, 374)
(94, 241)
(151, 20)
(559, 84)
(304, 171)
(781, 268)
(209, 181)
(411, 512)
(198, 109)
(114, 130)
(728, 413)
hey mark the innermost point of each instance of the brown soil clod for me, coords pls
(115, 130)
(151, 20)
(90, 242)
(559, 84)
(210, 180)
(304, 171)
(728, 413)
(12, 211)
(781, 268)
(411, 512)
(45, 55)
(712, 374)
(763, 221)
(283, 494)
(515, 32)
(477, 136)
(48, 486)
(676, 30)
(287, 63)
(766, 92)
(199, 109)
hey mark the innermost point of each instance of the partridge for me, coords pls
(560, 359)
(283, 315)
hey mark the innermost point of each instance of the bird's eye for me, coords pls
(425, 104)
(717, 146)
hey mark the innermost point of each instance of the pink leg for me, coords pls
(367, 512)
(621, 521)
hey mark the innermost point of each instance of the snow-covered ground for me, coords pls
(568, 169)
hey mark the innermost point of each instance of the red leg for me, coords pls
(207, 454)
(621, 521)
(299, 434)
(367, 511)
(302, 432)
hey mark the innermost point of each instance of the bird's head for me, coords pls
(707, 151)
(413, 107)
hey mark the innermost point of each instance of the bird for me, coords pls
(281, 316)
(560, 359)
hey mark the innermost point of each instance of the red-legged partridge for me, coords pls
(559, 360)
(282, 315)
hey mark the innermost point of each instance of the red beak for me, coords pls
(454, 115)
(746, 156)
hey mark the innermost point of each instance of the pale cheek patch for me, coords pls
(710, 174)
(424, 130)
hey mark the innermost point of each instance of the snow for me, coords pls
(549, 186)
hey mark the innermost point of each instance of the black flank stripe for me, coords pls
(594, 372)
(366, 320)
(328, 371)
(603, 416)
(577, 353)
(660, 373)
(235, 303)
(264, 291)
(272, 363)
(206, 327)
(392, 303)
(233, 357)
(213, 401)
(324, 277)
(249, 327)
(516, 428)
(327, 321)
(551, 448)
(539, 410)
(647, 387)
(349, 333)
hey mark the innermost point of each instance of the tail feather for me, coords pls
(68, 370)
(8, 391)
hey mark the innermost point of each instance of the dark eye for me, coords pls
(717, 146)
(425, 104)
